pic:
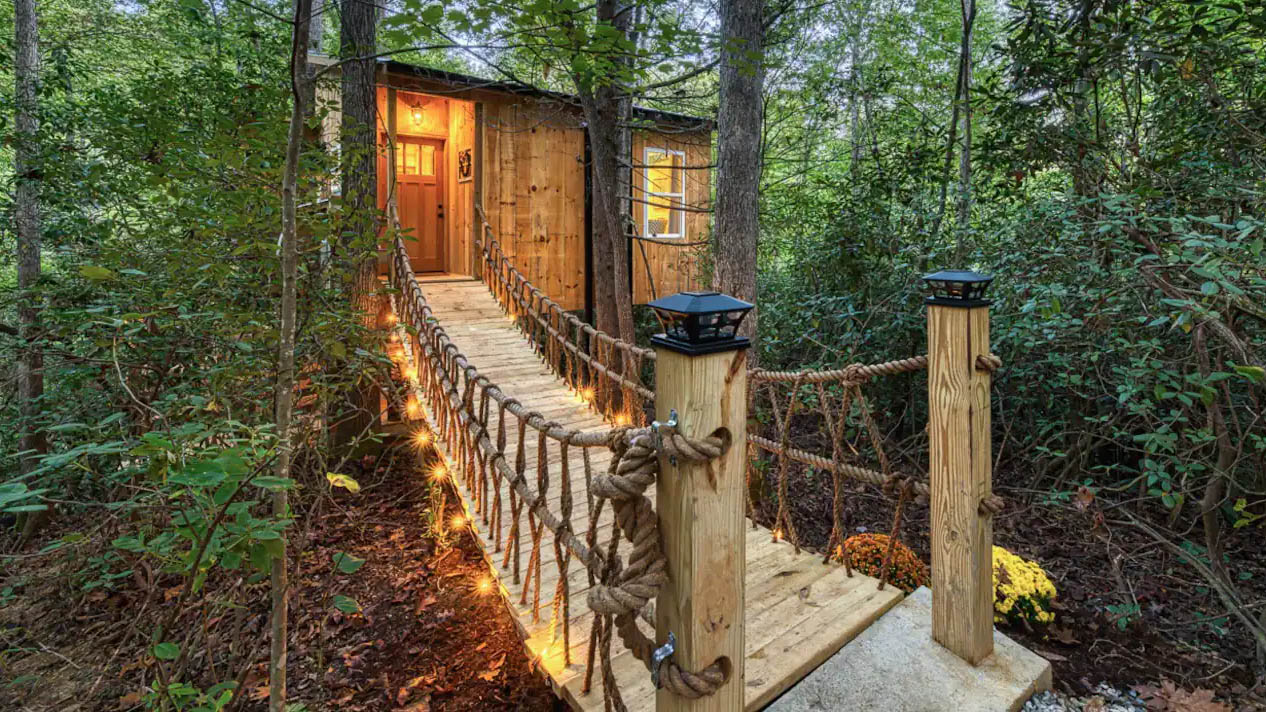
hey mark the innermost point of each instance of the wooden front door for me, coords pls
(420, 199)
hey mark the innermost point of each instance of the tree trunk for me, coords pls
(964, 157)
(29, 179)
(359, 201)
(613, 308)
(284, 392)
(738, 152)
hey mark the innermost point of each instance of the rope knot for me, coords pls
(988, 362)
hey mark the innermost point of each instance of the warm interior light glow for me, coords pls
(417, 114)
(622, 419)
(586, 393)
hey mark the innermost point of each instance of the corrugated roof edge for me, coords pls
(467, 81)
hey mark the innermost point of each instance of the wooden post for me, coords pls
(961, 477)
(702, 524)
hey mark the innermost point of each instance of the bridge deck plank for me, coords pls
(798, 611)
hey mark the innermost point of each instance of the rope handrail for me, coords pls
(588, 329)
(852, 373)
(992, 504)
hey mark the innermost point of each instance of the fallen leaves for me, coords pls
(409, 690)
(494, 669)
(1084, 498)
(1168, 697)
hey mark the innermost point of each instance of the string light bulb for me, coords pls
(458, 522)
(485, 585)
(439, 471)
(422, 438)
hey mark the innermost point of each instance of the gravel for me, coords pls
(1105, 699)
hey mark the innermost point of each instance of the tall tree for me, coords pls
(964, 158)
(357, 45)
(606, 105)
(29, 178)
(284, 394)
(738, 151)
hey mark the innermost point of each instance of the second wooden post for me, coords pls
(961, 468)
(701, 383)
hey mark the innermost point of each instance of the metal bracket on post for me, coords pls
(661, 654)
(659, 437)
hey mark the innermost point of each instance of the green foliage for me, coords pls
(163, 138)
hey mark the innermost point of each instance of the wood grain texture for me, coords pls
(796, 612)
(961, 476)
(702, 523)
(533, 174)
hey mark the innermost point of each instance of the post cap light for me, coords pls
(957, 288)
(700, 322)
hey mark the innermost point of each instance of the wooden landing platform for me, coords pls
(799, 611)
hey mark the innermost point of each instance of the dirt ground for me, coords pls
(1101, 566)
(426, 637)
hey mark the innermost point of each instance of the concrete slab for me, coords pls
(896, 667)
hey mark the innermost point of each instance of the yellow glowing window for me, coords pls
(413, 159)
(665, 193)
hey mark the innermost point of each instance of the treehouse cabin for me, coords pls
(449, 143)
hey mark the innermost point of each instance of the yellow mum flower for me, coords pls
(1022, 590)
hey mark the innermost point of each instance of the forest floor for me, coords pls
(1129, 613)
(426, 638)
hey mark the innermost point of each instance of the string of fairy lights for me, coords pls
(423, 440)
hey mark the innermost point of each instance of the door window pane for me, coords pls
(428, 160)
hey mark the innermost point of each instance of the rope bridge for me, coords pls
(520, 466)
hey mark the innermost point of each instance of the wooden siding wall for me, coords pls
(459, 204)
(534, 193)
(673, 269)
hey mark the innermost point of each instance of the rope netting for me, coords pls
(604, 370)
(514, 459)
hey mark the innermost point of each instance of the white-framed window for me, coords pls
(664, 186)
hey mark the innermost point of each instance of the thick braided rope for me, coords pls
(993, 504)
(853, 373)
(623, 595)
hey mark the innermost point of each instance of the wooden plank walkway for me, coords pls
(798, 611)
